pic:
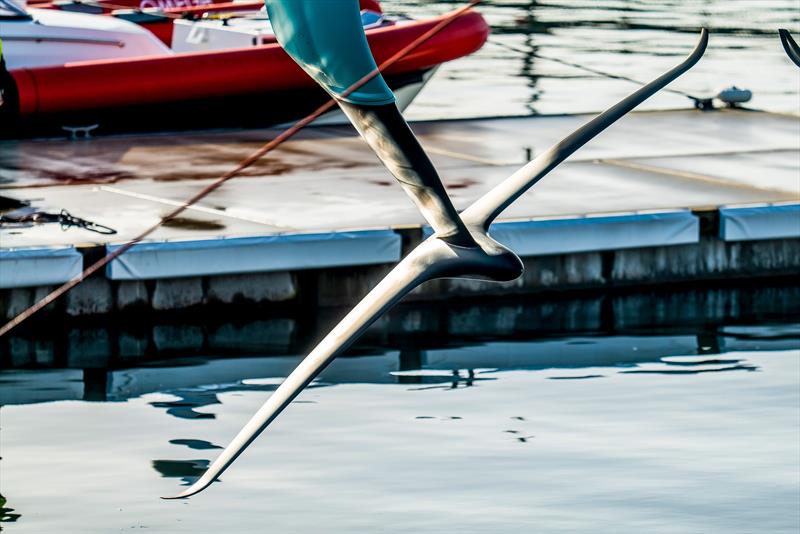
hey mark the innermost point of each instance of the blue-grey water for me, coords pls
(684, 444)
(673, 412)
(634, 38)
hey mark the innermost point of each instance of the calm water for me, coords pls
(634, 38)
(642, 413)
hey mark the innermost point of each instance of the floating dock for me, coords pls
(661, 197)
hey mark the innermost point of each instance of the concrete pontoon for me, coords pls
(664, 196)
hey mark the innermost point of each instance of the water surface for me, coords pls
(665, 447)
(666, 413)
(634, 38)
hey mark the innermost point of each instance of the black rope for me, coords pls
(64, 218)
(699, 102)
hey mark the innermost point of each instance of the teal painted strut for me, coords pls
(326, 38)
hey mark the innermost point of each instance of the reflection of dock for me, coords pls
(198, 384)
(661, 197)
(447, 343)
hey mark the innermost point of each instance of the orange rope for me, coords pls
(252, 158)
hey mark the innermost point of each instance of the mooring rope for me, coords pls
(699, 102)
(245, 163)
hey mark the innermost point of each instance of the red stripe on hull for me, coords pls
(108, 84)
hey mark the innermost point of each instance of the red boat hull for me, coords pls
(95, 87)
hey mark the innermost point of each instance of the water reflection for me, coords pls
(424, 348)
(452, 379)
(516, 435)
(579, 377)
(188, 399)
(7, 514)
(529, 451)
(633, 38)
(669, 366)
(187, 470)
(196, 444)
(184, 408)
(441, 346)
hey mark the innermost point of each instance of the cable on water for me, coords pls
(245, 163)
(699, 102)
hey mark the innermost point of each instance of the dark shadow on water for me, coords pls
(184, 408)
(456, 379)
(192, 398)
(743, 367)
(196, 444)
(187, 470)
(714, 361)
(7, 514)
(582, 377)
(678, 367)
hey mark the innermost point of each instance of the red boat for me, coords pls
(213, 65)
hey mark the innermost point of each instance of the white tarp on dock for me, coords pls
(585, 234)
(759, 222)
(41, 266)
(207, 257)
